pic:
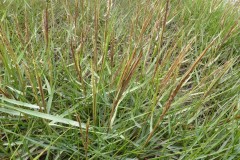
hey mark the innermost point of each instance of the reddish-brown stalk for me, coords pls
(167, 105)
(161, 36)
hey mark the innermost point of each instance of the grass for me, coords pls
(123, 79)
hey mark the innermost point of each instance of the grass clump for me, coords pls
(119, 79)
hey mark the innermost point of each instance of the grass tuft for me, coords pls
(123, 79)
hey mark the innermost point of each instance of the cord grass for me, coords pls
(123, 79)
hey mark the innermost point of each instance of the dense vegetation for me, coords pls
(121, 79)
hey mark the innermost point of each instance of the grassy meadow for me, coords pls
(119, 79)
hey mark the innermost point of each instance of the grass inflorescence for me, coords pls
(123, 79)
